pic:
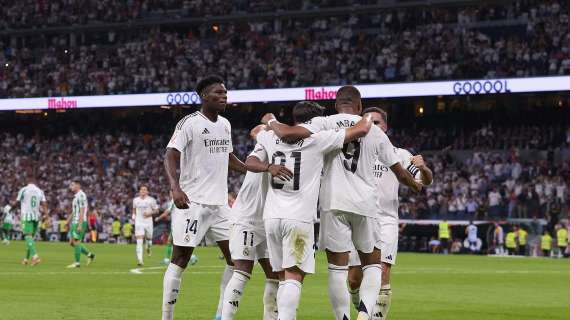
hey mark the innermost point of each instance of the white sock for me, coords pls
(140, 250)
(226, 276)
(270, 299)
(355, 297)
(288, 298)
(233, 293)
(383, 304)
(148, 243)
(369, 290)
(338, 291)
(170, 289)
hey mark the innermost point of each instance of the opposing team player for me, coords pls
(32, 205)
(201, 146)
(387, 189)
(144, 207)
(348, 201)
(78, 227)
(290, 207)
(7, 222)
(247, 236)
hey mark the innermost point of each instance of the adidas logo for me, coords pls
(205, 131)
(235, 303)
(172, 302)
(389, 257)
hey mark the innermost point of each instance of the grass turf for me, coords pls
(424, 287)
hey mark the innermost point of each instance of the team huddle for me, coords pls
(341, 166)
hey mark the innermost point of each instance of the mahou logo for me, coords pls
(62, 103)
(319, 94)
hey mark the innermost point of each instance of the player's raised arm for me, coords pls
(284, 131)
(426, 173)
(236, 164)
(359, 130)
(405, 178)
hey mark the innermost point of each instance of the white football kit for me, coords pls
(348, 199)
(141, 206)
(204, 156)
(387, 185)
(290, 207)
(247, 233)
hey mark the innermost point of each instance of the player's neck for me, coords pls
(212, 115)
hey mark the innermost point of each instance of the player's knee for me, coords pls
(243, 265)
(354, 277)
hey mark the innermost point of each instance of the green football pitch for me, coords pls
(424, 287)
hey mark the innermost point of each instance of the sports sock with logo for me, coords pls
(226, 276)
(369, 290)
(170, 290)
(233, 293)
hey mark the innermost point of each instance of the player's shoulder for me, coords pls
(263, 135)
(188, 120)
(403, 153)
(224, 120)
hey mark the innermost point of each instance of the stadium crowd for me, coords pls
(487, 185)
(363, 48)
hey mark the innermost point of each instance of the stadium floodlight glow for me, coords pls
(379, 90)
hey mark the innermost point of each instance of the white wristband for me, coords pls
(269, 122)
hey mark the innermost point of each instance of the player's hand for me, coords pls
(180, 198)
(418, 161)
(267, 117)
(279, 171)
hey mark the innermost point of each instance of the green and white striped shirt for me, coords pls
(79, 201)
(30, 198)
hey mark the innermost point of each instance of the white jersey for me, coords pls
(141, 206)
(472, 233)
(387, 183)
(30, 198)
(204, 155)
(79, 202)
(348, 182)
(8, 215)
(297, 199)
(248, 207)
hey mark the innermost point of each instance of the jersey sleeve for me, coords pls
(315, 125)
(259, 152)
(43, 197)
(182, 136)
(406, 162)
(154, 204)
(229, 128)
(330, 140)
(384, 148)
(20, 195)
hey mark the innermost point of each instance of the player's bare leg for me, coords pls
(289, 293)
(354, 281)
(139, 250)
(226, 276)
(337, 280)
(371, 283)
(173, 278)
(270, 292)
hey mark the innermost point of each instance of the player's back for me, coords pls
(296, 199)
(348, 181)
(30, 197)
(248, 207)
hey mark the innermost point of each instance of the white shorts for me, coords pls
(248, 242)
(143, 230)
(290, 243)
(343, 231)
(388, 243)
(190, 226)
